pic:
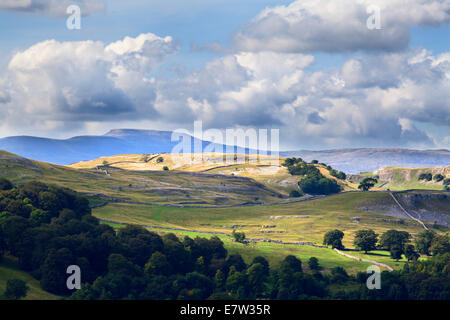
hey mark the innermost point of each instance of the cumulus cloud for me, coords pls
(368, 101)
(338, 26)
(375, 100)
(55, 8)
(70, 82)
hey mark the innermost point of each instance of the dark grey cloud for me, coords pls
(315, 118)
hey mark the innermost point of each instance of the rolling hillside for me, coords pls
(371, 159)
(149, 187)
(396, 178)
(264, 169)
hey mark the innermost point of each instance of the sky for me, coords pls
(328, 74)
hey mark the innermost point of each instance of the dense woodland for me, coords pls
(49, 228)
(313, 182)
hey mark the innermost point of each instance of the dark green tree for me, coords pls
(365, 240)
(440, 244)
(424, 240)
(339, 275)
(16, 289)
(257, 277)
(334, 238)
(54, 269)
(316, 183)
(367, 183)
(425, 176)
(396, 252)
(410, 253)
(238, 236)
(236, 280)
(394, 238)
(313, 263)
(5, 184)
(220, 279)
(263, 261)
(292, 264)
(295, 194)
(158, 264)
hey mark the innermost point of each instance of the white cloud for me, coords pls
(338, 26)
(54, 8)
(67, 83)
(375, 100)
(368, 101)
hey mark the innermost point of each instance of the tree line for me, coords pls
(398, 243)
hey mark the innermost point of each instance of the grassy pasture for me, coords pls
(274, 252)
(304, 221)
(314, 218)
(9, 269)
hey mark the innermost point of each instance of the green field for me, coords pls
(322, 215)
(274, 252)
(9, 269)
(314, 217)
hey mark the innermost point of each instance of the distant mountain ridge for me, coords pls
(131, 141)
(81, 148)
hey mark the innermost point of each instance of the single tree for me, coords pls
(291, 264)
(256, 277)
(394, 238)
(313, 263)
(365, 240)
(295, 194)
(411, 253)
(16, 289)
(238, 236)
(396, 252)
(263, 261)
(334, 238)
(440, 244)
(367, 183)
(424, 240)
